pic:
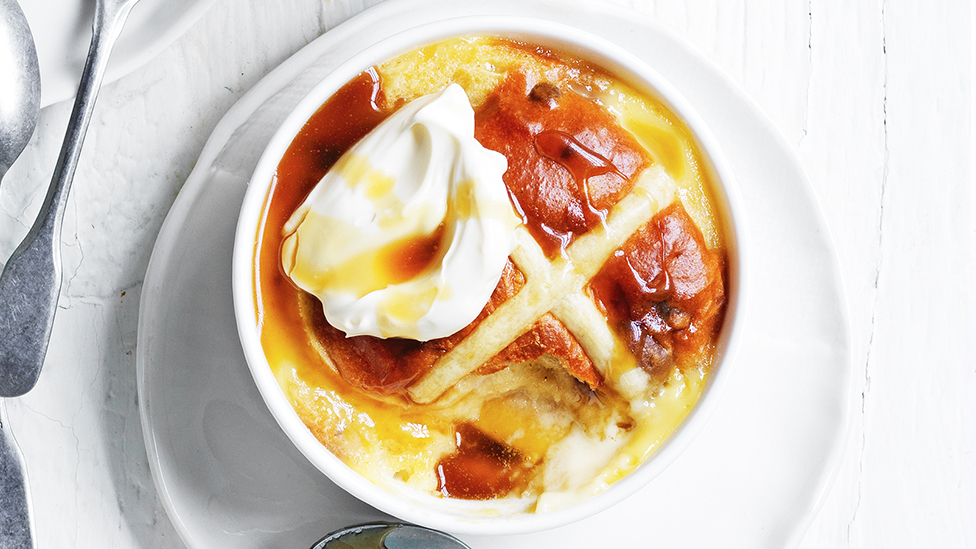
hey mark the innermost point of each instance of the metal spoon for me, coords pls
(20, 87)
(20, 102)
(31, 280)
(388, 535)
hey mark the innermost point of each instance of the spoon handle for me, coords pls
(16, 520)
(31, 280)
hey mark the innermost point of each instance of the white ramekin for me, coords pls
(451, 515)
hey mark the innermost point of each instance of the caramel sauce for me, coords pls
(663, 291)
(342, 121)
(404, 260)
(582, 164)
(480, 467)
(569, 161)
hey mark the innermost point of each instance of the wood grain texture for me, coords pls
(912, 485)
(874, 96)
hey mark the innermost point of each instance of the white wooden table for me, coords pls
(874, 96)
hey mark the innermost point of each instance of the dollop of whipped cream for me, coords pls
(408, 234)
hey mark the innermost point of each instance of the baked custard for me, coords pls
(604, 262)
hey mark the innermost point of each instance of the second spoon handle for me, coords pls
(16, 516)
(31, 280)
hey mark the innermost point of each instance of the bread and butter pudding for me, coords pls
(488, 270)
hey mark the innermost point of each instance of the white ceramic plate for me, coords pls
(62, 31)
(754, 477)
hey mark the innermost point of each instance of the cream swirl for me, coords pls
(408, 234)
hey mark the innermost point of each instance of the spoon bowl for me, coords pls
(20, 87)
(20, 104)
(388, 535)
